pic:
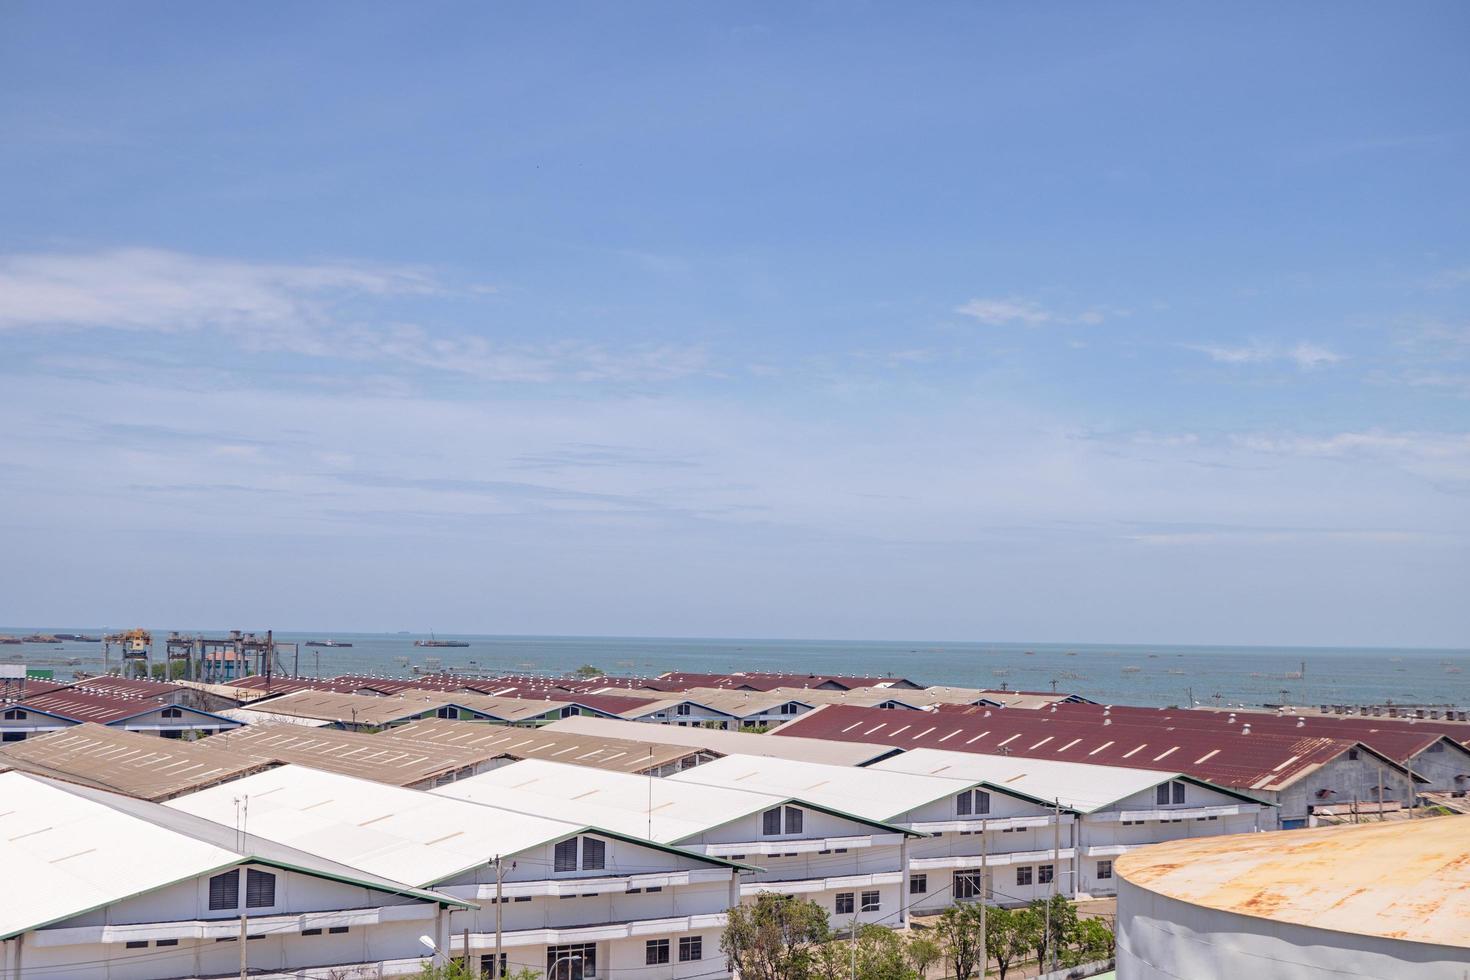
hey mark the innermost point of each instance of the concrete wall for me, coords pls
(1445, 765)
(1164, 939)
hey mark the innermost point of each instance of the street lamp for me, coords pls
(569, 957)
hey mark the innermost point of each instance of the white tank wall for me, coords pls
(1162, 938)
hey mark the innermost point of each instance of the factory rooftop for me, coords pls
(1404, 880)
(405, 834)
(397, 762)
(1399, 740)
(106, 704)
(762, 681)
(597, 752)
(1227, 758)
(1077, 786)
(871, 792)
(665, 810)
(78, 849)
(844, 752)
(142, 766)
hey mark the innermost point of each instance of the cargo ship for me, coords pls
(325, 643)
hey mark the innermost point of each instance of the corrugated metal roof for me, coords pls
(842, 753)
(82, 702)
(1246, 762)
(871, 792)
(144, 766)
(1407, 880)
(618, 755)
(762, 680)
(423, 837)
(658, 809)
(1076, 785)
(398, 762)
(76, 849)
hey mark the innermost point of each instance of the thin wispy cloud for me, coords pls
(1304, 354)
(311, 310)
(1005, 311)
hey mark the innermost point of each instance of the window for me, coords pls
(136, 944)
(1166, 793)
(224, 891)
(655, 951)
(594, 854)
(1161, 794)
(15, 714)
(570, 710)
(691, 948)
(311, 932)
(793, 820)
(771, 821)
(1104, 870)
(448, 711)
(654, 888)
(337, 930)
(260, 889)
(560, 960)
(1044, 874)
(1353, 754)
(171, 733)
(843, 904)
(789, 708)
(1023, 875)
(566, 855)
(172, 713)
(1436, 747)
(968, 884)
(972, 802)
(521, 898)
(1178, 789)
(487, 965)
(680, 709)
(13, 737)
(166, 942)
(918, 884)
(870, 901)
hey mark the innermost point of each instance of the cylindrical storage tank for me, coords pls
(1386, 901)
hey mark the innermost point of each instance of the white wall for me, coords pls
(1162, 938)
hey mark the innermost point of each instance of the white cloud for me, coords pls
(300, 309)
(1304, 354)
(998, 312)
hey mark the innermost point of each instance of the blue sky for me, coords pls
(1075, 322)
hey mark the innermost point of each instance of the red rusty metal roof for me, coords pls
(1258, 761)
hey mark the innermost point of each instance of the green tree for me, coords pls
(1056, 920)
(923, 952)
(958, 929)
(1090, 940)
(1008, 937)
(587, 672)
(776, 938)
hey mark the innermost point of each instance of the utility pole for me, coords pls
(984, 897)
(244, 967)
(496, 971)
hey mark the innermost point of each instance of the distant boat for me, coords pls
(434, 641)
(325, 643)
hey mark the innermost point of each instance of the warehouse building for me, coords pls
(1383, 900)
(1115, 809)
(1298, 773)
(562, 890)
(151, 713)
(122, 889)
(851, 865)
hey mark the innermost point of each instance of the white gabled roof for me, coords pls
(644, 806)
(872, 793)
(403, 834)
(1076, 785)
(68, 849)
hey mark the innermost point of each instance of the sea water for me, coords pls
(1109, 673)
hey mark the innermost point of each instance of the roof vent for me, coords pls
(1107, 721)
(1301, 723)
(1246, 730)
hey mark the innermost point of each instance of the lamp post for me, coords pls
(569, 957)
